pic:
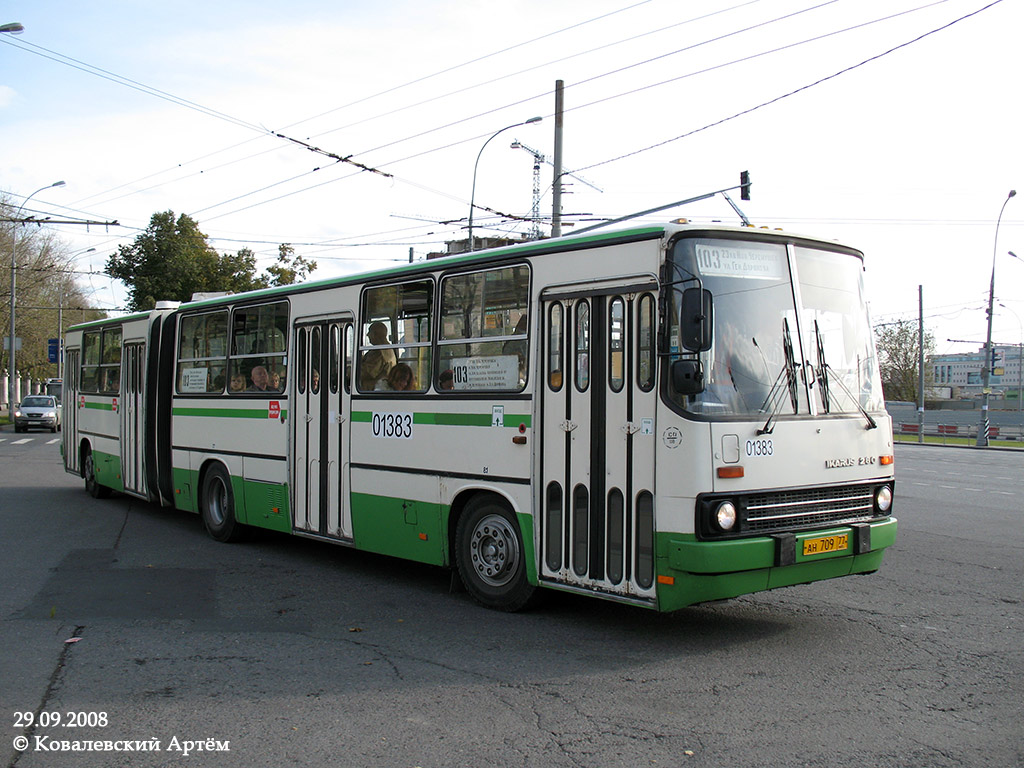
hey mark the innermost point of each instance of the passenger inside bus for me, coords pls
(399, 379)
(376, 363)
(237, 382)
(260, 379)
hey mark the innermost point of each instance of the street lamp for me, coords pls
(13, 28)
(472, 197)
(14, 284)
(986, 366)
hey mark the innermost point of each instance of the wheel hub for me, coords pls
(494, 550)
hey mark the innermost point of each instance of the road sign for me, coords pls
(53, 350)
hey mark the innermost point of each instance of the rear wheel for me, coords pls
(489, 555)
(92, 485)
(218, 506)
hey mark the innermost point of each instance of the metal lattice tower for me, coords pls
(538, 159)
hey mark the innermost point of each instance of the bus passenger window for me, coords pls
(396, 337)
(259, 347)
(202, 353)
(91, 361)
(484, 334)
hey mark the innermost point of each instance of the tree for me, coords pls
(289, 269)
(171, 260)
(898, 347)
(48, 301)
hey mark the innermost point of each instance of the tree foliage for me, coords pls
(48, 298)
(171, 260)
(289, 268)
(898, 345)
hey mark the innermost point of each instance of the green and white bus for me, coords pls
(662, 415)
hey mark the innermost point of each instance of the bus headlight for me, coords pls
(883, 499)
(725, 516)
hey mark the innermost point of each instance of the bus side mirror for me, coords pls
(687, 377)
(695, 320)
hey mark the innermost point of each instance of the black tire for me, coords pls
(217, 506)
(92, 485)
(489, 555)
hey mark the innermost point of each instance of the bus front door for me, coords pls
(598, 408)
(320, 428)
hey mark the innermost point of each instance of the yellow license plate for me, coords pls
(825, 544)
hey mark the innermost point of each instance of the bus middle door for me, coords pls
(133, 439)
(320, 428)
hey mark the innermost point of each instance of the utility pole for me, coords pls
(986, 369)
(556, 185)
(920, 363)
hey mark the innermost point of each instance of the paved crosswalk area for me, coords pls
(46, 439)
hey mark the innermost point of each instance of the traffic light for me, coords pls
(744, 185)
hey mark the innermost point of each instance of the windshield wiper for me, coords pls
(776, 395)
(856, 401)
(823, 371)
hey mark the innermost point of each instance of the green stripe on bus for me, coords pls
(99, 406)
(227, 413)
(453, 419)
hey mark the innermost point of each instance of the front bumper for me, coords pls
(692, 571)
(26, 422)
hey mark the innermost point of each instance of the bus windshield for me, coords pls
(790, 330)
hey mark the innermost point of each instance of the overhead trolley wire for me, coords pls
(789, 93)
(743, 59)
(66, 60)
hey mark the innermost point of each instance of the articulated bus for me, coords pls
(661, 415)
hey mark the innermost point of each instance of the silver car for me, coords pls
(41, 411)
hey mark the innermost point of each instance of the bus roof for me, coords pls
(569, 242)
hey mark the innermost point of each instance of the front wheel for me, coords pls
(217, 504)
(489, 555)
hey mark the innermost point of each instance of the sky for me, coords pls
(893, 126)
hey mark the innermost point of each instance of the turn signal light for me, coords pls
(730, 472)
(885, 460)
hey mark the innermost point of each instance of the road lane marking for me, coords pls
(51, 442)
(22, 441)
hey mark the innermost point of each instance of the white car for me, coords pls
(41, 411)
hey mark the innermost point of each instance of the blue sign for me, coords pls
(53, 350)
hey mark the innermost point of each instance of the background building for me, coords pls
(962, 372)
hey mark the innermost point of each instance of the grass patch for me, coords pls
(956, 440)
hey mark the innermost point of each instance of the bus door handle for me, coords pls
(568, 426)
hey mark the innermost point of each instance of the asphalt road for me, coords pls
(282, 652)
